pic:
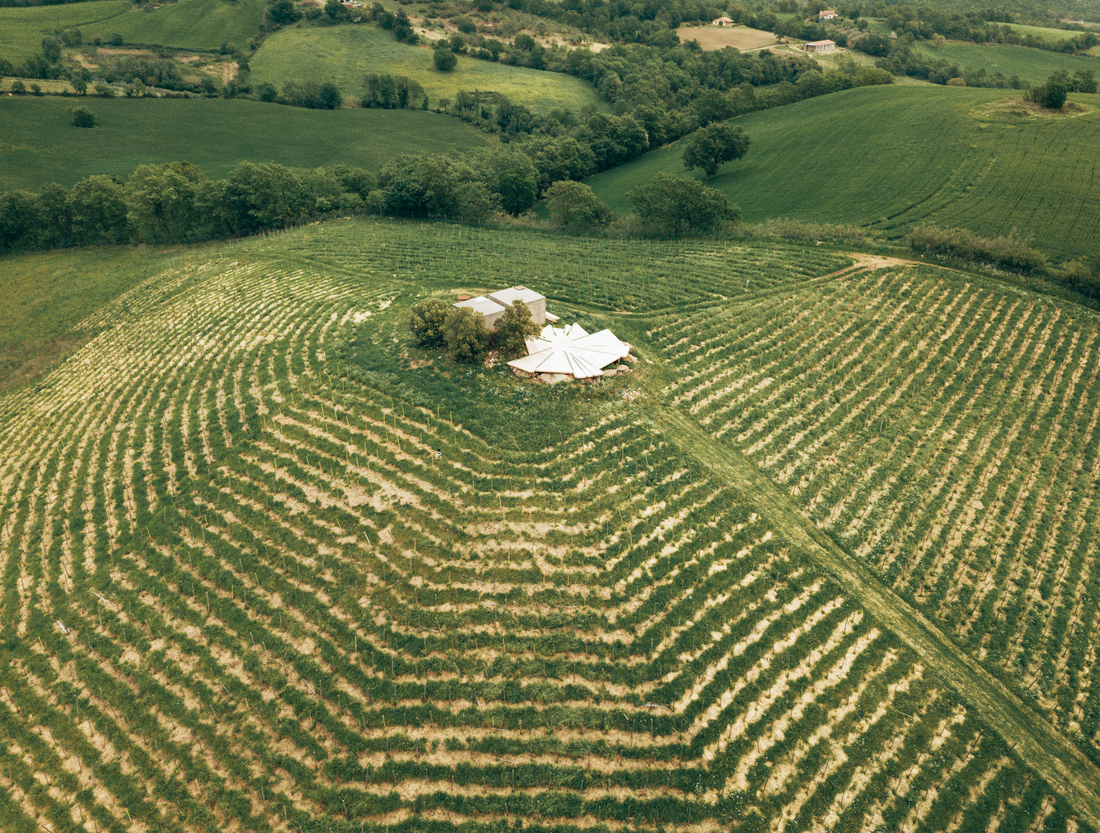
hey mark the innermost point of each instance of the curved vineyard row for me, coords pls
(248, 587)
(943, 430)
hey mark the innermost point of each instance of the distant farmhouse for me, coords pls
(819, 46)
(722, 21)
(827, 14)
(492, 307)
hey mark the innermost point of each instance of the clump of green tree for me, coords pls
(574, 207)
(714, 144)
(393, 92)
(1053, 93)
(176, 202)
(83, 117)
(676, 204)
(513, 329)
(436, 324)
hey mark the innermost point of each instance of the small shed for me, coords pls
(827, 14)
(531, 299)
(819, 46)
(489, 310)
(722, 21)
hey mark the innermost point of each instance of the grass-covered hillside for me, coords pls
(820, 561)
(186, 24)
(345, 54)
(891, 158)
(22, 29)
(42, 146)
(1031, 66)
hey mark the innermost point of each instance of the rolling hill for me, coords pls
(186, 24)
(345, 54)
(1031, 66)
(22, 29)
(892, 158)
(42, 145)
(267, 565)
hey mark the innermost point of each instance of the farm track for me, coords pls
(241, 591)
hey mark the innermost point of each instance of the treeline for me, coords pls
(176, 202)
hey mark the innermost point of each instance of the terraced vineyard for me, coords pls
(266, 567)
(943, 430)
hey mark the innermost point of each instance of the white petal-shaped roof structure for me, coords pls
(571, 351)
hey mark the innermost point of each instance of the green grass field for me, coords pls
(475, 603)
(40, 145)
(22, 29)
(187, 24)
(1031, 65)
(1044, 33)
(345, 54)
(865, 157)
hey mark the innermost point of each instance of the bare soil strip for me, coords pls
(1038, 743)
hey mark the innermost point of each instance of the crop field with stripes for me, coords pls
(266, 565)
(995, 168)
(942, 429)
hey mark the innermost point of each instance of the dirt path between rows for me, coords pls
(1038, 743)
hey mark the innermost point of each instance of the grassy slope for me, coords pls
(345, 54)
(1031, 65)
(22, 29)
(134, 132)
(864, 157)
(188, 24)
(165, 368)
(44, 297)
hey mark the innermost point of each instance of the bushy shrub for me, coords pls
(514, 328)
(427, 322)
(83, 117)
(1009, 252)
(465, 334)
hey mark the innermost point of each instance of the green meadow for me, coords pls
(1042, 32)
(38, 143)
(22, 29)
(187, 24)
(345, 54)
(866, 157)
(1031, 65)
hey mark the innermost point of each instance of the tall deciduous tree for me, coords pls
(574, 207)
(164, 202)
(676, 204)
(710, 146)
(98, 206)
(510, 174)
